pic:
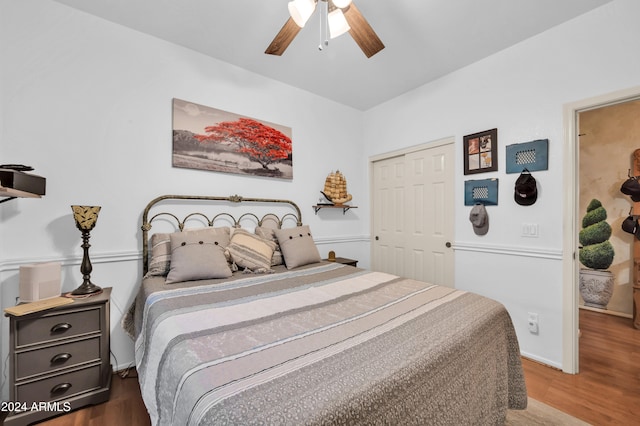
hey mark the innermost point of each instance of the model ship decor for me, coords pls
(335, 189)
(335, 193)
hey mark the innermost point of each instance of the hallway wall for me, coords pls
(608, 137)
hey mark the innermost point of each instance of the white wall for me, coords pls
(88, 104)
(521, 91)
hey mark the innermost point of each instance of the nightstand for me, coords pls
(344, 261)
(59, 359)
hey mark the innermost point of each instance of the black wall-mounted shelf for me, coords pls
(344, 207)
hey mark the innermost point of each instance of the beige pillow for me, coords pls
(160, 255)
(297, 246)
(197, 255)
(251, 251)
(160, 262)
(269, 234)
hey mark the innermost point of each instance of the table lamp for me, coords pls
(86, 218)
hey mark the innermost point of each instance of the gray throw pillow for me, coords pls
(160, 255)
(297, 246)
(197, 255)
(160, 246)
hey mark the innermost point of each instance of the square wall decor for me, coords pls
(207, 138)
(532, 156)
(483, 191)
(481, 152)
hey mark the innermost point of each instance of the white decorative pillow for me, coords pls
(297, 246)
(251, 251)
(160, 244)
(197, 255)
(269, 234)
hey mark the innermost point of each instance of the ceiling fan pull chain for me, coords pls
(320, 30)
(324, 22)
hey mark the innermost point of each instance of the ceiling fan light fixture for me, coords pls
(336, 18)
(337, 23)
(341, 3)
(301, 11)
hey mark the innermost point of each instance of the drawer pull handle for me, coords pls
(60, 388)
(60, 358)
(60, 328)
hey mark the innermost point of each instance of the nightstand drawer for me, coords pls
(61, 386)
(55, 327)
(60, 355)
(44, 360)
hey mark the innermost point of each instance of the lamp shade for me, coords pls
(337, 23)
(85, 216)
(301, 11)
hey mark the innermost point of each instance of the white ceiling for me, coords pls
(424, 39)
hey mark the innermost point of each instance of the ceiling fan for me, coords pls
(342, 16)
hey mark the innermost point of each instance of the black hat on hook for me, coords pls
(631, 187)
(630, 224)
(526, 190)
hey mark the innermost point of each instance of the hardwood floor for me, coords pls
(125, 407)
(607, 389)
(605, 392)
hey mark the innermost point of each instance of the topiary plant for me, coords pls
(596, 252)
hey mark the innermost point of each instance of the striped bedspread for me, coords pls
(324, 344)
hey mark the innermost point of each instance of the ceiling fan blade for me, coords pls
(287, 33)
(362, 32)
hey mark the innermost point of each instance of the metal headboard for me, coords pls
(236, 199)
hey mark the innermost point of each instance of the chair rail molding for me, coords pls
(541, 253)
(97, 258)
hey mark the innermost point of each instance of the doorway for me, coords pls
(572, 218)
(412, 205)
(608, 138)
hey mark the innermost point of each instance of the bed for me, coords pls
(298, 340)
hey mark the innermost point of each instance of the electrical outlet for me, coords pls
(533, 323)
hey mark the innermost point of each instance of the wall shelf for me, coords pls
(344, 207)
(11, 193)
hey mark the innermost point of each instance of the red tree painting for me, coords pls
(206, 138)
(262, 144)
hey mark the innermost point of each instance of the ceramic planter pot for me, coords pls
(596, 287)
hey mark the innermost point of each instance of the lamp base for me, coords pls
(86, 288)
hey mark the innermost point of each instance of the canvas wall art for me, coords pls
(207, 138)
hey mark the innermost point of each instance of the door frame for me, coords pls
(450, 140)
(570, 263)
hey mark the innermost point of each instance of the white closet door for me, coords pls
(413, 215)
(388, 215)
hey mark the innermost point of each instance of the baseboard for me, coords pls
(543, 361)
